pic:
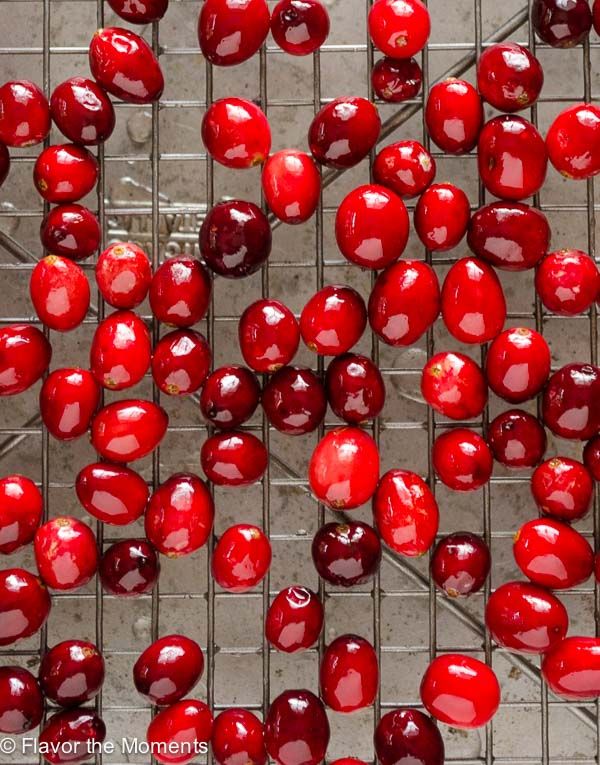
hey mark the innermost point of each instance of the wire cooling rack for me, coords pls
(141, 196)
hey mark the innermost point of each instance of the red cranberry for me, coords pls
(21, 701)
(300, 27)
(121, 351)
(136, 12)
(297, 729)
(125, 65)
(241, 558)
(405, 167)
(509, 77)
(346, 554)
(570, 403)
(229, 396)
(572, 668)
(180, 516)
(460, 691)
(232, 31)
(568, 282)
(563, 488)
(291, 184)
(596, 16)
(442, 216)
(236, 132)
(572, 141)
(238, 738)
(168, 669)
(405, 512)
(60, 293)
(294, 401)
(460, 564)
(233, 458)
(113, 494)
(181, 362)
(66, 553)
(399, 28)
(269, 335)
(372, 227)
(344, 132)
(454, 115)
(4, 163)
(408, 736)
(180, 291)
(68, 402)
(65, 173)
(355, 388)
(349, 674)
(129, 568)
(123, 275)
(72, 673)
(517, 439)
(294, 619)
(125, 431)
(70, 735)
(24, 357)
(462, 459)
(177, 732)
(21, 509)
(525, 618)
(396, 80)
(348, 761)
(333, 320)
(71, 231)
(454, 385)
(518, 364)
(82, 111)
(24, 604)
(591, 457)
(24, 114)
(560, 23)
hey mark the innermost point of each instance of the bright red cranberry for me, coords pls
(509, 77)
(563, 488)
(525, 618)
(72, 673)
(60, 293)
(591, 457)
(355, 388)
(349, 674)
(348, 761)
(241, 558)
(297, 729)
(405, 512)
(229, 396)
(405, 167)
(572, 141)
(68, 736)
(181, 729)
(24, 604)
(4, 163)
(125, 431)
(121, 350)
(71, 231)
(168, 669)
(24, 114)
(518, 364)
(570, 403)
(454, 385)
(125, 65)
(454, 115)
(24, 357)
(372, 227)
(300, 27)
(460, 691)
(82, 111)
(233, 458)
(462, 459)
(568, 282)
(333, 320)
(294, 401)
(344, 468)
(408, 736)
(399, 28)
(180, 291)
(65, 173)
(129, 568)
(560, 23)
(181, 362)
(236, 132)
(136, 12)
(232, 31)
(294, 620)
(442, 216)
(346, 554)
(66, 553)
(180, 515)
(269, 335)
(460, 564)
(396, 80)
(291, 184)
(123, 275)
(517, 439)
(344, 132)
(21, 701)
(238, 738)
(572, 668)
(21, 509)
(68, 402)
(113, 494)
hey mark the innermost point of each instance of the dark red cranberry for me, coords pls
(24, 604)
(509, 77)
(355, 388)
(572, 668)
(561, 23)
(442, 216)
(241, 558)
(294, 401)
(129, 568)
(72, 231)
(297, 729)
(591, 457)
(232, 31)
(181, 362)
(178, 731)
(113, 494)
(123, 275)
(344, 132)
(454, 115)
(233, 458)
(180, 291)
(300, 27)
(454, 385)
(238, 738)
(139, 12)
(568, 282)
(269, 335)
(596, 16)
(66, 553)
(333, 320)
(24, 357)
(294, 619)
(408, 736)
(563, 488)
(65, 173)
(121, 350)
(21, 701)
(236, 132)
(229, 396)
(399, 29)
(4, 163)
(72, 673)
(462, 459)
(125, 431)
(21, 509)
(68, 402)
(82, 111)
(517, 439)
(291, 184)
(60, 293)
(518, 364)
(24, 114)
(570, 403)
(572, 141)
(349, 674)
(405, 167)
(168, 669)
(70, 736)
(460, 564)
(396, 80)
(346, 554)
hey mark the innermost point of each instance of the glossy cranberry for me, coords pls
(349, 674)
(233, 458)
(300, 27)
(241, 558)
(68, 402)
(82, 111)
(591, 457)
(460, 564)
(372, 227)
(517, 439)
(180, 516)
(291, 184)
(344, 132)
(232, 31)
(348, 761)
(24, 604)
(129, 568)
(238, 738)
(294, 620)
(407, 736)
(123, 275)
(572, 141)
(121, 350)
(462, 459)
(460, 691)
(333, 320)
(21, 509)
(269, 335)
(168, 669)
(180, 291)
(66, 553)
(509, 77)
(235, 239)
(72, 673)
(399, 28)
(71, 231)
(355, 388)
(346, 554)
(454, 385)
(525, 618)
(563, 488)
(568, 282)
(70, 735)
(396, 80)
(229, 396)
(24, 114)
(181, 729)
(236, 132)
(405, 167)
(518, 364)
(572, 668)
(570, 403)
(21, 701)
(113, 494)
(561, 23)
(125, 431)
(294, 401)
(60, 293)
(65, 173)
(125, 65)
(181, 362)
(139, 11)
(297, 729)
(454, 115)
(4, 163)
(442, 216)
